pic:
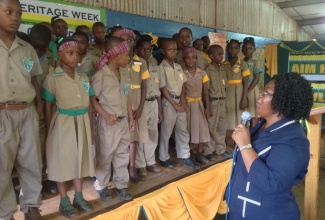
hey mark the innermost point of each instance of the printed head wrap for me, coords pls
(126, 31)
(67, 44)
(188, 50)
(118, 49)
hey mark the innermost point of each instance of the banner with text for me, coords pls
(319, 94)
(36, 11)
(307, 63)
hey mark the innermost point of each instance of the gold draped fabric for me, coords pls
(271, 56)
(195, 197)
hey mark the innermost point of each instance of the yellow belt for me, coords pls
(132, 86)
(234, 81)
(189, 99)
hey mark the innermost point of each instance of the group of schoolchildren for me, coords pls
(71, 109)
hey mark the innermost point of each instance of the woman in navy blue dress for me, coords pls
(274, 156)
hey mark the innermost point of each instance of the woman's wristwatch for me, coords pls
(245, 147)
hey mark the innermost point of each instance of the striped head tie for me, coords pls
(126, 31)
(188, 50)
(67, 44)
(118, 49)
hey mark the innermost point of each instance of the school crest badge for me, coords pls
(85, 84)
(126, 88)
(250, 65)
(28, 64)
(89, 72)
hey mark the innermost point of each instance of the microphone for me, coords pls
(245, 117)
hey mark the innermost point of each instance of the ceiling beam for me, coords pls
(312, 21)
(318, 36)
(297, 3)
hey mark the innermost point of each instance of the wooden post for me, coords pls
(312, 177)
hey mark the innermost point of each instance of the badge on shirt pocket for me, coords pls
(181, 76)
(85, 84)
(236, 69)
(28, 63)
(156, 80)
(136, 67)
(126, 89)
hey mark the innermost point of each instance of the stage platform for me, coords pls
(153, 182)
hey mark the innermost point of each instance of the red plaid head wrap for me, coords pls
(188, 50)
(68, 44)
(118, 49)
(126, 31)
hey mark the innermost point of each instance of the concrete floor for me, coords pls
(153, 181)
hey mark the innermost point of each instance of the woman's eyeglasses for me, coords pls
(266, 93)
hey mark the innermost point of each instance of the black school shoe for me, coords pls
(83, 205)
(201, 159)
(211, 157)
(69, 211)
(104, 194)
(50, 187)
(167, 164)
(124, 193)
(33, 214)
(190, 164)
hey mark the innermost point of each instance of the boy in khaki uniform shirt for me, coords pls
(185, 38)
(87, 64)
(19, 133)
(114, 107)
(217, 94)
(174, 108)
(40, 36)
(152, 109)
(138, 74)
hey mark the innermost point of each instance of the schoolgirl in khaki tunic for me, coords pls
(145, 159)
(237, 75)
(256, 68)
(112, 88)
(138, 74)
(69, 138)
(195, 88)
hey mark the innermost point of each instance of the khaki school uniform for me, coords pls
(218, 121)
(235, 75)
(146, 151)
(45, 64)
(19, 132)
(88, 65)
(201, 61)
(206, 56)
(152, 61)
(93, 50)
(255, 67)
(197, 124)
(137, 71)
(112, 140)
(68, 145)
(173, 79)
